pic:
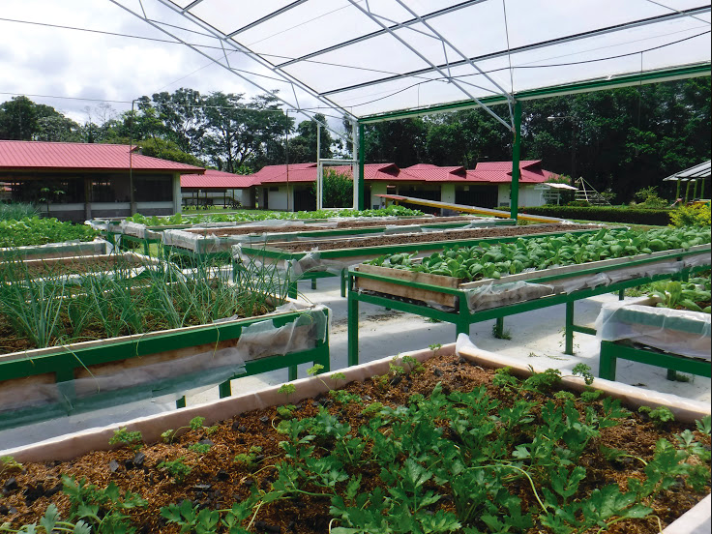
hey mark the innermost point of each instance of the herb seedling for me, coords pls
(176, 468)
(122, 436)
(9, 465)
(249, 460)
(200, 448)
(660, 415)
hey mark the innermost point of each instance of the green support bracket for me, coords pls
(612, 352)
(570, 317)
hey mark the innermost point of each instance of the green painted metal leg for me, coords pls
(353, 331)
(225, 390)
(499, 328)
(344, 280)
(293, 373)
(672, 375)
(608, 362)
(463, 327)
(621, 295)
(313, 284)
(180, 403)
(570, 328)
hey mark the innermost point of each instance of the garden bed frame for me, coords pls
(677, 323)
(67, 363)
(57, 250)
(354, 255)
(72, 446)
(411, 292)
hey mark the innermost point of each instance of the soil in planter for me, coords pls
(341, 225)
(74, 266)
(216, 480)
(430, 237)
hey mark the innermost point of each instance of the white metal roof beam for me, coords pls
(534, 46)
(678, 11)
(405, 24)
(267, 17)
(239, 73)
(286, 77)
(191, 5)
(456, 83)
(463, 56)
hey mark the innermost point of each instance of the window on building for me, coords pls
(61, 191)
(153, 188)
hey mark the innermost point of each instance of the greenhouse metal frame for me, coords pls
(375, 60)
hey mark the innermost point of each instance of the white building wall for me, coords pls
(504, 195)
(447, 193)
(378, 188)
(278, 199)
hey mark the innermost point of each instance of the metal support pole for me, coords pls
(621, 295)
(353, 326)
(361, 205)
(570, 328)
(499, 328)
(516, 158)
(225, 390)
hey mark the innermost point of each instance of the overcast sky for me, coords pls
(55, 62)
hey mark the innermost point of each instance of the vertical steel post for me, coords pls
(569, 328)
(516, 158)
(353, 306)
(361, 167)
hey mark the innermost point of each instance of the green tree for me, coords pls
(21, 119)
(302, 147)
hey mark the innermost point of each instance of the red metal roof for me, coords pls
(487, 172)
(40, 155)
(306, 172)
(433, 173)
(213, 179)
(501, 172)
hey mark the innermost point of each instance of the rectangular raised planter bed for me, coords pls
(521, 287)
(57, 250)
(53, 382)
(678, 340)
(69, 447)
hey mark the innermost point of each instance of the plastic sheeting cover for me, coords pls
(194, 372)
(680, 332)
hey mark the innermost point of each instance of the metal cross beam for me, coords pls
(234, 47)
(440, 70)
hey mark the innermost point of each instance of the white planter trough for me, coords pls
(696, 521)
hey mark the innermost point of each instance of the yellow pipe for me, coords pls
(468, 209)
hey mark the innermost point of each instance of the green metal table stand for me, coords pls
(611, 352)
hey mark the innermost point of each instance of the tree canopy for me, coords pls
(624, 139)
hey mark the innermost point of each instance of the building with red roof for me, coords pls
(488, 185)
(80, 181)
(217, 187)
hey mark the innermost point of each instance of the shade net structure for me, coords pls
(372, 60)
